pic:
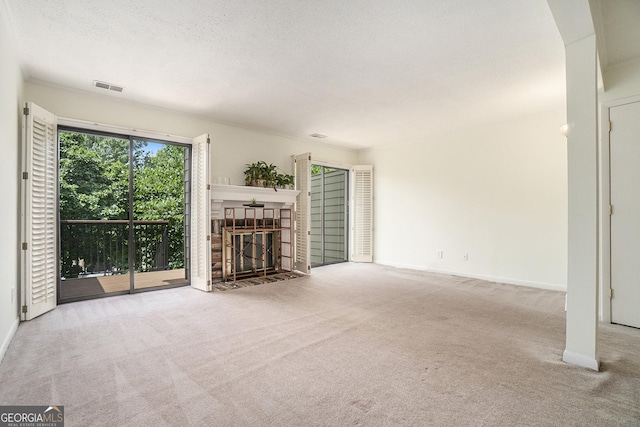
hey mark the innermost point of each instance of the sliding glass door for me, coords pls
(158, 199)
(329, 215)
(94, 215)
(122, 214)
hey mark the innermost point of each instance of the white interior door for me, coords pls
(39, 212)
(302, 171)
(362, 213)
(200, 248)
(625, 218)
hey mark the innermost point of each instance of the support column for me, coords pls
(582, 153)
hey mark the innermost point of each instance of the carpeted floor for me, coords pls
(353, 344)
(254, 281)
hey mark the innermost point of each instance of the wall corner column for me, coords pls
(582, 153)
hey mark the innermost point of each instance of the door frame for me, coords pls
(347, 169)
(604, 188)
(130, 135)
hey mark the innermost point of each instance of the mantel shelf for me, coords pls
(224, 196)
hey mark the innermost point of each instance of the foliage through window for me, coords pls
(94, 185)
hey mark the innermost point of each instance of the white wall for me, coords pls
(621, 81)
(498, 194)
(10, 100)
(232, 147)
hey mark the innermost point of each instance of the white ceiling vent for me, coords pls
(108, 86)
(318, 135)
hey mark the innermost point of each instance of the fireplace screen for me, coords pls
(256, 242)
(254, 252)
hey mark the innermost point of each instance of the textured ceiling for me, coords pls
(363, 72)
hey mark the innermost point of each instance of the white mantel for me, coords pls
(228, 196)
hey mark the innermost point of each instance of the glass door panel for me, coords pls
(158, 199)
(93, 212)
(329, 224)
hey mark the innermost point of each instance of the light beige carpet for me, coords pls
(353, 344)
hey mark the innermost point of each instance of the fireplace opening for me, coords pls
(257, 242)
(254, 251)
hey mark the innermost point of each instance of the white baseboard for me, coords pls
(9, 337)
(510, 281)
(580, 360)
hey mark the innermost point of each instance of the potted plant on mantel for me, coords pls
(262, 174)
(254, 204)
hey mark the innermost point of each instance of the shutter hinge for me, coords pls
(208, 237)
(208, 186)
(308, 233)
(25, 175)
(610, 293)
(208, 140)
(609, 125)
(24, 246)
(610, 210)
(25, 111)
(24, 309)
(309, 194)
(309, 158)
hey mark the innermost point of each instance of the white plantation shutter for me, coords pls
(362, 213)
(302, 172)
(39, 212)
(200, 214)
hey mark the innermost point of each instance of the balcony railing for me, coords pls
(97, 247)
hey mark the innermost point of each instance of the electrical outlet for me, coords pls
(465, 257)
(440, 254)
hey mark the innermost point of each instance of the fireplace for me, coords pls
(256, 241)
(249, 241)
(252, 252)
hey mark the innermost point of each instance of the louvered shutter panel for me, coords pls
(200, 215)
(39, 216)
(303, 212)
(362, 205)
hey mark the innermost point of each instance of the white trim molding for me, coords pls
(580, 360)
(225, 196)
(9, 337)
(488, 278)
(101, 127)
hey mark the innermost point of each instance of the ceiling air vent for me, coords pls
(108, 86)
(318, 135)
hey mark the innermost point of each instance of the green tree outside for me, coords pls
(159, 195)
(94, 183)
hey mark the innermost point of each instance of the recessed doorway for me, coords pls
(329, 215)
(625, 201)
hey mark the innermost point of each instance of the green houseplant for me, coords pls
(253, 174)
(263, 174)
(284, 180)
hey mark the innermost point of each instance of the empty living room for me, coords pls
(305, 213)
